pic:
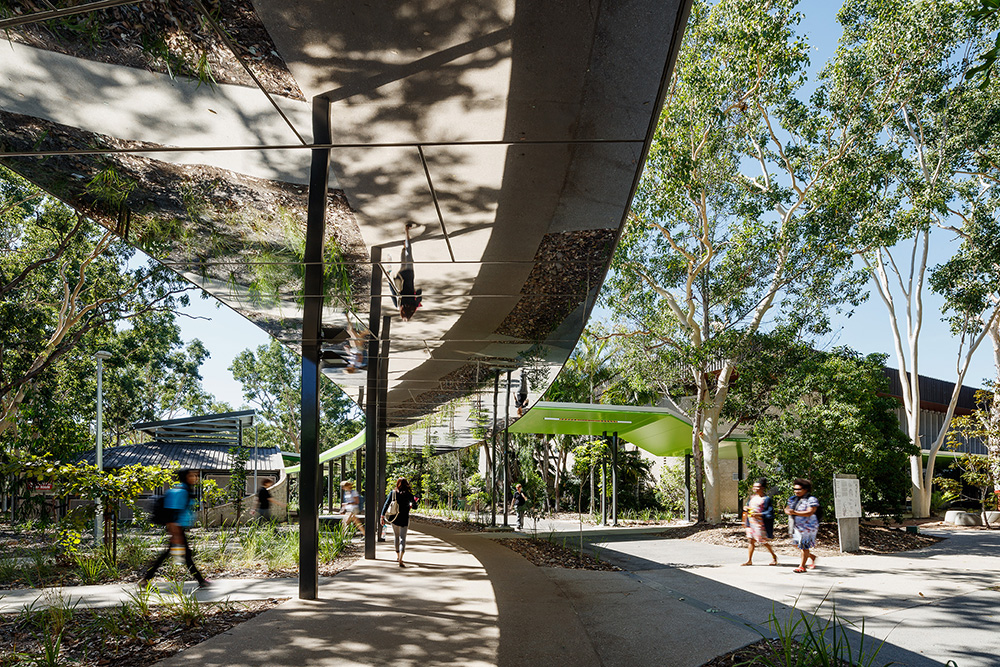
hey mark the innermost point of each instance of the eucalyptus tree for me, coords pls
(930, 177)
(64, 284)
(738, 220)
(271, 381)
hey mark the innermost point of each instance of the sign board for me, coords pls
(42, 486)
(847, 497)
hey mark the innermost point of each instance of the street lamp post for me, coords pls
(100, 356)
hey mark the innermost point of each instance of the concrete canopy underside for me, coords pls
(512, 133)
(659, 431)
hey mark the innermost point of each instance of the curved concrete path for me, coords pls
(465, 599)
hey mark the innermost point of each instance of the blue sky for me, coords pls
(226, 333)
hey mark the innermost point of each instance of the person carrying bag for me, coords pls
(396, 512)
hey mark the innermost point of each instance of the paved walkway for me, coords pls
(466, 599)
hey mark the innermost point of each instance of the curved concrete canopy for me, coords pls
(511, 132)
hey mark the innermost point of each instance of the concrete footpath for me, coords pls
(465, 599)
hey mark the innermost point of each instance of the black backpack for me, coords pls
(159, 513)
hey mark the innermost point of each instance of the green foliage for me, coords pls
(236, 490)
(830, 419)
(271, 379)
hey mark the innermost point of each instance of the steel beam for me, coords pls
(372, 407)
(383, 397)
(312, 324)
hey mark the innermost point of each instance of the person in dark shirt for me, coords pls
(521, 398)
(405, 295)
(265, 500)
(401, 521)
(520, 504)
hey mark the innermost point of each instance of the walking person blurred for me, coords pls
(759, 521)
(179, 501)
(396, 512)
(265, 500)
(351, 506)
(802, 508)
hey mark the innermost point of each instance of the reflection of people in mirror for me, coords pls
(405, 295)
(521, 399)
(357, 355)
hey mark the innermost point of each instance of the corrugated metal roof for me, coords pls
(196, 455)
(224, 428)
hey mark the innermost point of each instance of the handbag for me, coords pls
(393, 510)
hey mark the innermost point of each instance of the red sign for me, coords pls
(42, 486)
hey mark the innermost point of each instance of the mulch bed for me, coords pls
(86, 639)
(547, 554)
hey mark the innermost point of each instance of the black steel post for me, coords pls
(312, 324)
(383, 420)
(506, 447)
(604, 492)
(614, 479)
(493, 450)
(739, 478)
(329, 486)
(372, 409)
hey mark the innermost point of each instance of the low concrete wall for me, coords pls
(226, 514)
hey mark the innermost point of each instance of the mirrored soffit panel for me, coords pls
(511, 133)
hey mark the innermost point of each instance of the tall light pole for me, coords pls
(100, 356)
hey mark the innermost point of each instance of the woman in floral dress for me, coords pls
(759, 520)
(802, 508)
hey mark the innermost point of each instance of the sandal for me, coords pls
(746, 563)
(773, 562)
(812, 565)
(799, 569)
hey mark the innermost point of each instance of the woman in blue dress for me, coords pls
(802, 508)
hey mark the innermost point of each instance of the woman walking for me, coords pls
(759, 513)
(403, 498)
(802, 508)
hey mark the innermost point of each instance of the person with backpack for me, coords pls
(803, 507)
(178, 515)
(396, 512)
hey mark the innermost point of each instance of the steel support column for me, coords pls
(383, 421)
(493, 449)
(739, 478)
(312, 323)
(329, 486)
(372, 408)
(506, 447)
(614, 479)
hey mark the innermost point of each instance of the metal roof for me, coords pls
(223, 429)
(195, 455)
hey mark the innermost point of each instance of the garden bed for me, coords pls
(139, 632)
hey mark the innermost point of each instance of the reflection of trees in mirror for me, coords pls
(239, 230)
(173, 39)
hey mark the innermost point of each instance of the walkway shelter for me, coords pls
(661, 431)
(277, 167)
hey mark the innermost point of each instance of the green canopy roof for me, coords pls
(342, 449)
(660, 431)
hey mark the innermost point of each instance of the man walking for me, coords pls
(520, 502)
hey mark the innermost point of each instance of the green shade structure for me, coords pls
(343, 449)
(659, 431)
